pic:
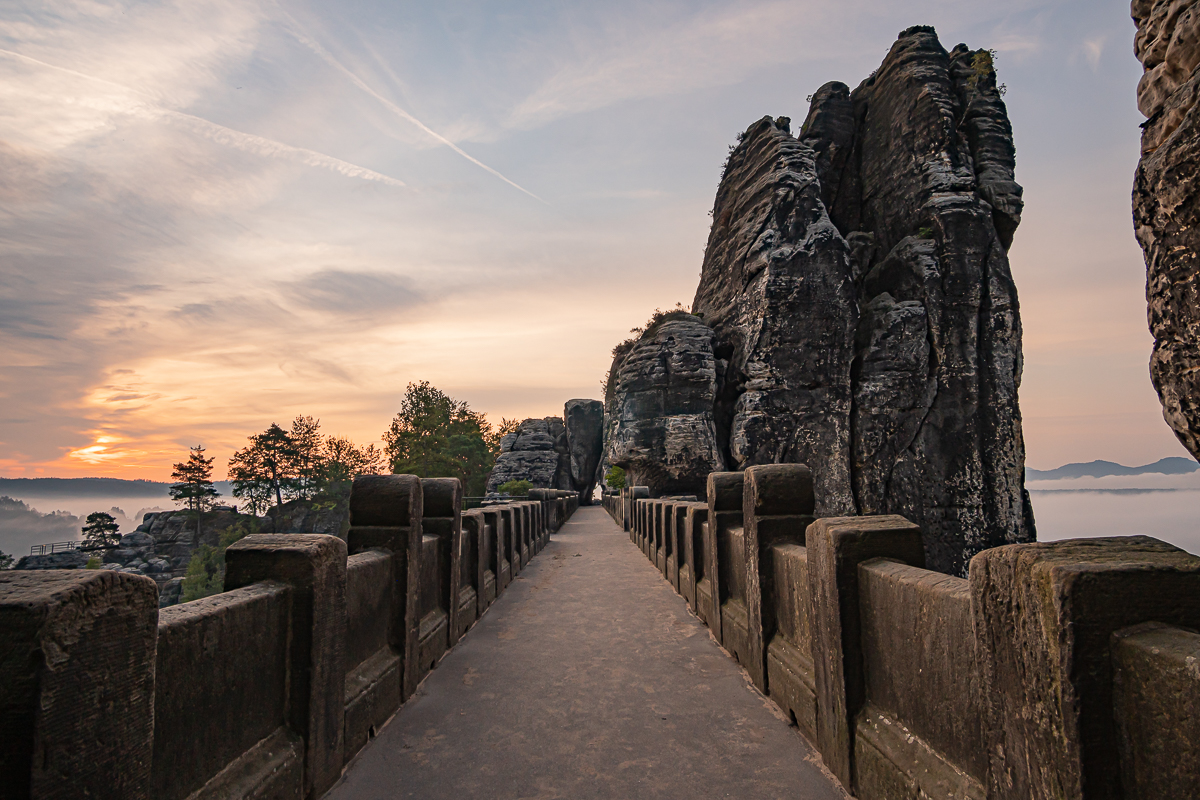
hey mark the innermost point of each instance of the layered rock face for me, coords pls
(777, 289)
(539, 452)
(554, 453)
(1166, 209)
(662, 391)
(585, 438)
(864, 317)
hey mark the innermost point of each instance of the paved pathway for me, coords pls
(588, 678)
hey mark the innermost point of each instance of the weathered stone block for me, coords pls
(373, 667)
(1045, 614)
(478, 536)
(777, 508)
(503, 566)
(918, 643)
(385, 513)
(729, 566)
(314, 566)
(443, 519)
(836, 546)
(1156, 677)
(77, 651)
(791, 682)
(694, 568)
(220, 689)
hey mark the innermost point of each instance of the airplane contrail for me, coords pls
(297, 31)
(247, 142)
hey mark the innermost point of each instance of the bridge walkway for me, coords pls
(588, 678)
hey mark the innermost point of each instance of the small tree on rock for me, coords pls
(615, 478)
(194, 486)
(100, 530)
(264, 469)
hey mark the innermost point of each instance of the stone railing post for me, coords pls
(637, 493)
(385, 513)
(77, 657)
(314, 566)
(502, 565)
(442, 517)
(778, 507)
(1045, 615)
(697, 515)
(485, 558)
(836, 546)
(725, 490)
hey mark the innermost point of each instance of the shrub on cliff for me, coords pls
(206, 571)
(516, 488)
(615, 478)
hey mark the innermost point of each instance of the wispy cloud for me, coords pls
(715, 47)
(1092, 50)
(353, 293)
(293, 27)
(137, 104)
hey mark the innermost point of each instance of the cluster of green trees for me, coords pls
(432, 436)
(297, 464)
(436, 436)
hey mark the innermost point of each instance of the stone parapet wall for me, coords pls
(269, 688)
(1054, 670)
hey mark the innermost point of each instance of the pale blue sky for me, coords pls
(221, 214)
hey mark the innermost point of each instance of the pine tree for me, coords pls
(269, 466)
(194, 484)
(308, 458)
(100, 530)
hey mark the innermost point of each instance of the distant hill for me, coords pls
(90, 487)
(1174, 465)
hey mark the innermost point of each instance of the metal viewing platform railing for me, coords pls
(53, 547)
(63, 547)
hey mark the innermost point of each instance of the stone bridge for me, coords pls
(836, 662)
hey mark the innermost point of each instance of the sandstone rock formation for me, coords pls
(663, 388)
(585, 438)
(539, 452)
(862, 313)
(776, 288)
(1166, 208)
(329, 516)
(163, 544)
(67, 559)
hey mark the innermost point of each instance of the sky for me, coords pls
(217, 214)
